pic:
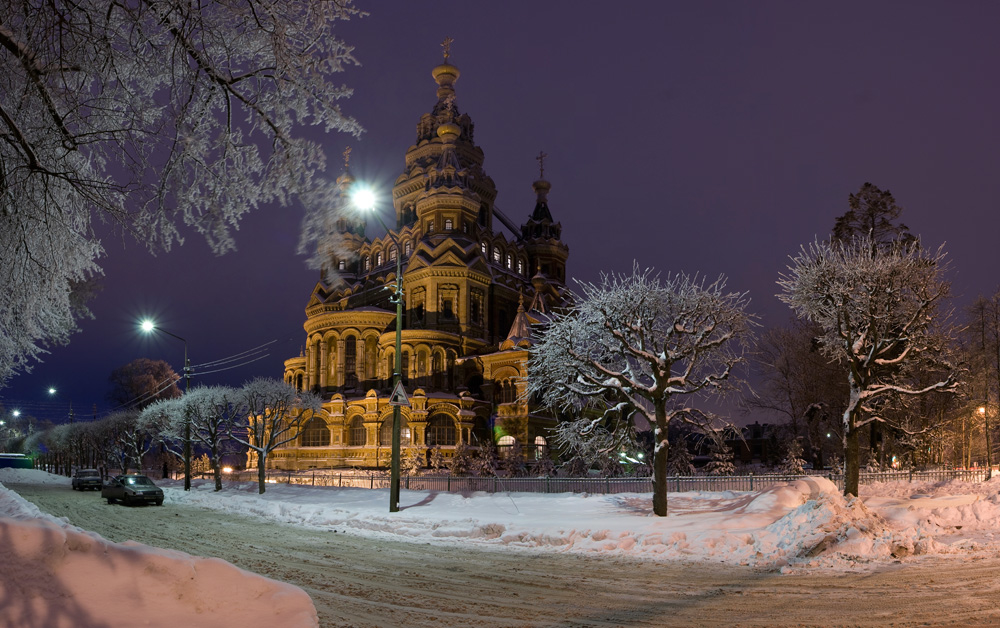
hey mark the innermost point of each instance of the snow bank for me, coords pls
(806, 522)
(55, 575)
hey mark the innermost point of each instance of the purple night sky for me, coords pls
(708, 137)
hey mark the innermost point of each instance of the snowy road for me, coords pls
(361, 582)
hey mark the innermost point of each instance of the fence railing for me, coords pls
(678, 484)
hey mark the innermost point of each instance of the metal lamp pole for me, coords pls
(148, 326)
(367, 202)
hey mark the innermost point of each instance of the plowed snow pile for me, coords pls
(56, 575)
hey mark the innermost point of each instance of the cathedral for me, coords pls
(473, 284)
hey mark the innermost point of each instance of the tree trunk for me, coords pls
(660, 464)
(852, 462)
(261, 461)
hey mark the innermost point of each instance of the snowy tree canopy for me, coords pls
(878, 308)
(148, 115)
(644, 343)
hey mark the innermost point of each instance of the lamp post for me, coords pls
(149, 326)
(365, 200)
(986, 427)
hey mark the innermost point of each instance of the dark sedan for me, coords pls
(132, 489)
(85, 479)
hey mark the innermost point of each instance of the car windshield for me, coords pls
(88, 473)
(139, 481)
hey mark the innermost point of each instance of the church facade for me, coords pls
(473, 283)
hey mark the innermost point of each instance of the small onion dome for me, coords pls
(449, 132)
(541, 188)
(445, 76)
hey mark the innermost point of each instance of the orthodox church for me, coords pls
(471, 292)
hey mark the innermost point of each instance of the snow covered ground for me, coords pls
(55, 575)
(803, 525)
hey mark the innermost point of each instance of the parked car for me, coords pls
(132, 489)
(85, 479)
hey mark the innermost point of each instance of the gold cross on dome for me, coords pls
(446, 44)
(541, 164)
(347, 157)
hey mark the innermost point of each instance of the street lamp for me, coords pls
(149, 326)
(364, 199)
(989, 454)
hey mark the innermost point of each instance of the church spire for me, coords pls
(445, 74)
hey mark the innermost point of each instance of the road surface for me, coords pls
(360, 582)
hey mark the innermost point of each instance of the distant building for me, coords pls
(471, 293)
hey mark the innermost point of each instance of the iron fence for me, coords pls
(601, 485)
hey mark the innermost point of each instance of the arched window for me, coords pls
(392, 253)
(440, 431)
(541, 447)
(448, 224)
(378, 259)
(385, 432)
(510, 261)
(482, 245)
(315, 433)
(298, 382)
(357, 435)
(437, 370)
(520, 267)
(506, 441)
(350, 362)
(496, 254)
(368, 263)
(405, 368)
(407, 248)
(341, 265)
(430, 226)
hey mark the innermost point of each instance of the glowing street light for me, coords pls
(364, 199)
(989, 454)
(16, 413)
(149, 326)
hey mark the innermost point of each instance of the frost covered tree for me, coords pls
(411, 462)
(461, 461)
(720, 457)
(679, 460)
(149, 116)
(275, 412)
(640, 343)
(793, 464)
(212, 411)
(879, 311)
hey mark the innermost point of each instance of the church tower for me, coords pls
(466, 282)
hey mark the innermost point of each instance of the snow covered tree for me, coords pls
(680, 461)
(513, 461)
(544, 468)
(437, 460)
(461, 461)
(411, 461)
(878, 308)
(485, 464)
(212, 411)
(720, 457)
(793, 464)
(147, 115)
(275, 412)
(640, 343)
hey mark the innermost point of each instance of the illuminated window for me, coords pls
(510, 261)
(496, 254)
(378, 259)
(315, 433)
(341, 265)
(408, 248)
(385, 432)
(357, 436)
(392, 254)
(520, 267)
(482, 245)
(448, 224)
(368, 263)
(440, 431)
